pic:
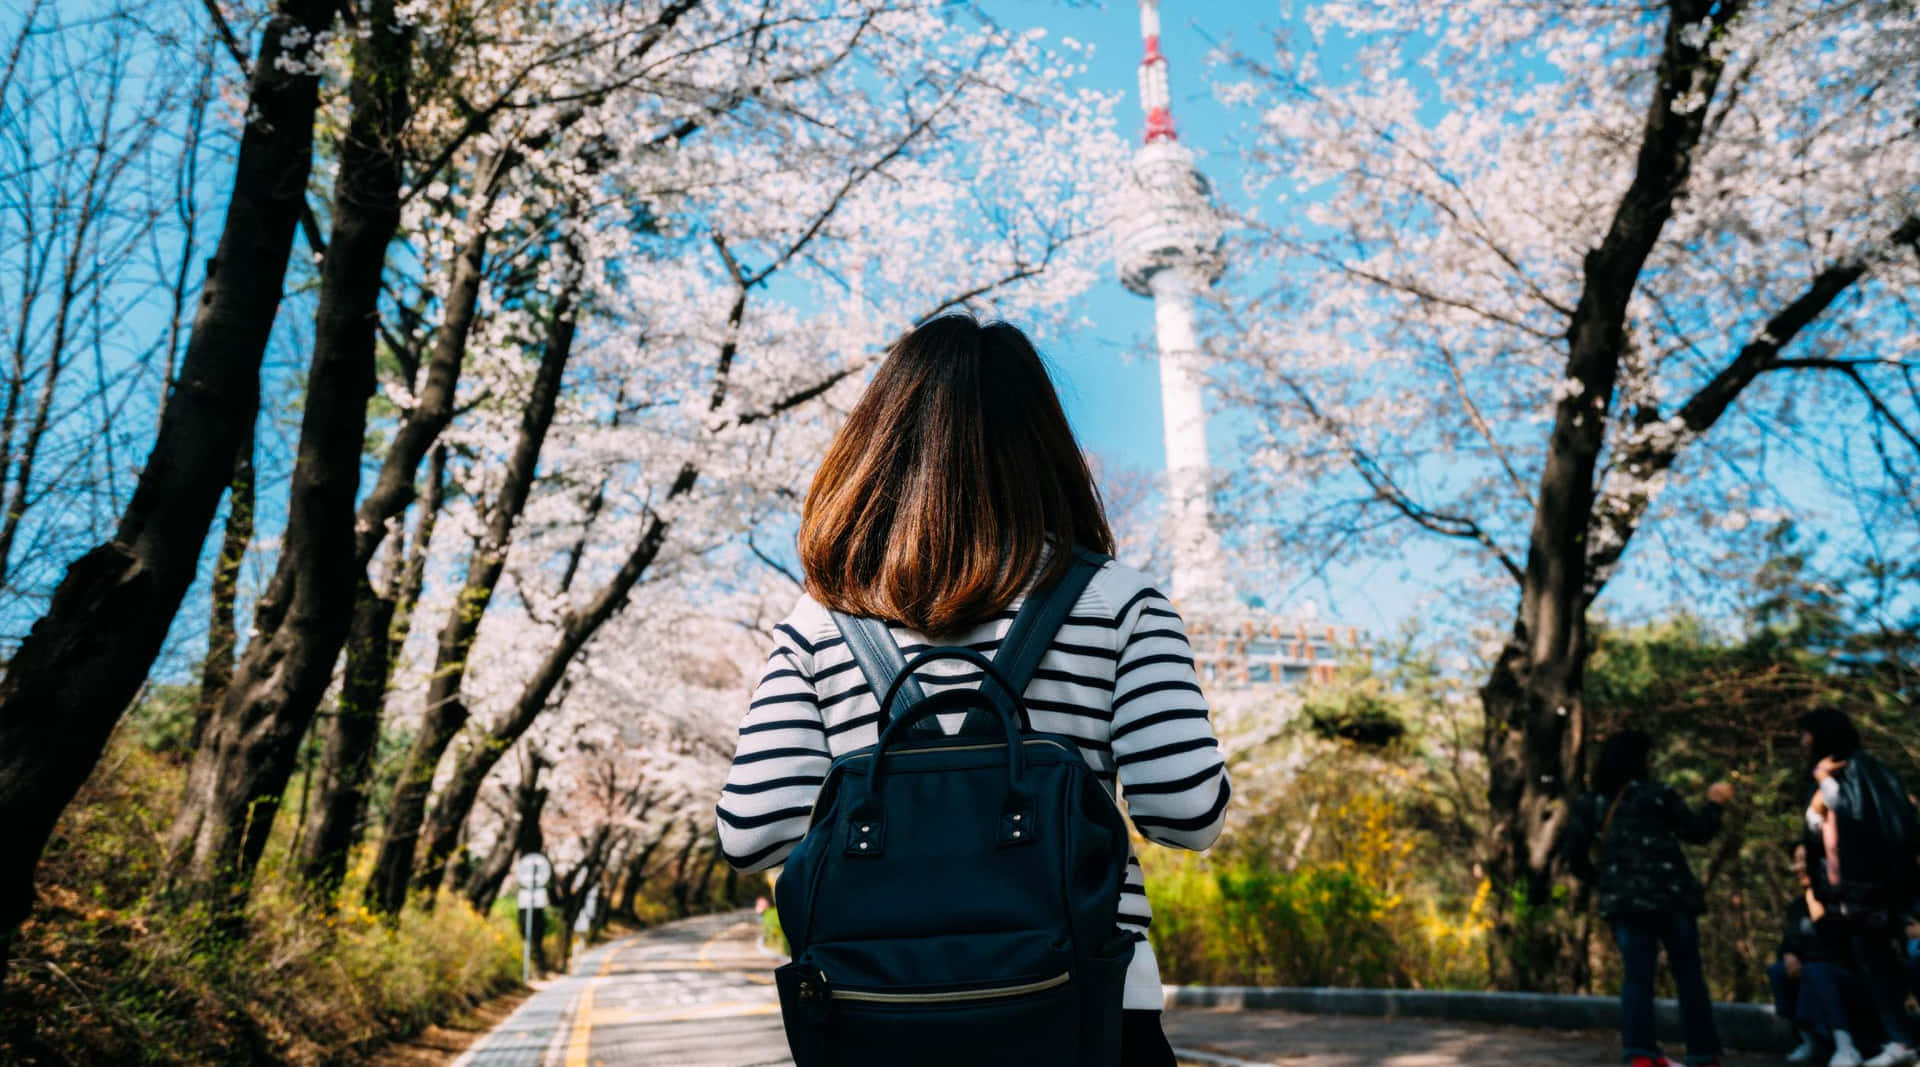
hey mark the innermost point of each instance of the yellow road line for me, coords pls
(580, 1037)
(702, 959)
(578, 1041)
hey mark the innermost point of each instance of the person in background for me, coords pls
(1862, 828)
(1912, 954)
(1647, 890)
(1810, 985)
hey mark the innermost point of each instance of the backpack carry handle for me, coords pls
(867, 828)
(1007, 709)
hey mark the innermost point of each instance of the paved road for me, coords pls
(699, 993)
(696, 993)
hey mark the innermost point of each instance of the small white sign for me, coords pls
(584, 921)
(532, 871)
(531, 899)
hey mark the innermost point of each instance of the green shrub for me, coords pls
(111, 970)
(1246, 922)
(770, 932)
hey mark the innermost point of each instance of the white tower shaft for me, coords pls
(1199, 569)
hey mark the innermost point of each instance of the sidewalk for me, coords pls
(1225, 1038)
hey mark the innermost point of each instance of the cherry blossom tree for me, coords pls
(883, 168)
(1543, 280)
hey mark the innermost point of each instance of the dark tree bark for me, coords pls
(699, 893)
(84, 660)
(571, 891)
(222, 638)
(484, 881)
(351, 737)
(636, 878)
(237, 777)
(681, 863)
(1536, 722)
(529, 800)
(446, 710)
(353, 732)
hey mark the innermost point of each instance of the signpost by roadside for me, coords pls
(531, 872)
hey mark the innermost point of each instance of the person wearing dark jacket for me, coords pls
(1862, 829)
(1810, 985)
(1647, 890)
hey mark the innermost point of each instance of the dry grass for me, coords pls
(112, 970)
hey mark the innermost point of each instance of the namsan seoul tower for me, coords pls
(1170, 250)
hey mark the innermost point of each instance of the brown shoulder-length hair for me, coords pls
(938, 499)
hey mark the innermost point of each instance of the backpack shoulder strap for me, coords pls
(878, 655)
(1041, 617)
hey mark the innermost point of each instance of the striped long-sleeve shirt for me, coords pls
(1118, 679)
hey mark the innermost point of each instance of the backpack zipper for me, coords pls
(955, 996)
(960, 748)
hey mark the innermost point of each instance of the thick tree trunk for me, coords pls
(216, 673)
(351, 737)
(700, 899)
(484, 882)
(681, 866)
(72, 677)
(238, 775)
(353, 733)
(579, 882)
(529, 800)
(636, 879)
(1535, 715)
(446, 710)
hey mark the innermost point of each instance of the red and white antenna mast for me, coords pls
(1153, 77)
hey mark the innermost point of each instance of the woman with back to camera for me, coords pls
(1647, 890)
(955, 488)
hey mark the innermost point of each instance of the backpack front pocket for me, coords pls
(1019, 1021)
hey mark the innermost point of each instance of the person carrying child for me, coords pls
(1862, 829)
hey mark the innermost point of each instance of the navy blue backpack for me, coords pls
(953, 901)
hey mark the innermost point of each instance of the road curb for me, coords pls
(1742, 1026)
(1208, 1059)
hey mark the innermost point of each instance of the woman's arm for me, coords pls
(1693, 827)
(778, 763)
(1164, 750)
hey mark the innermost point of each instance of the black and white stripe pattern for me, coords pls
(1118, 679)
